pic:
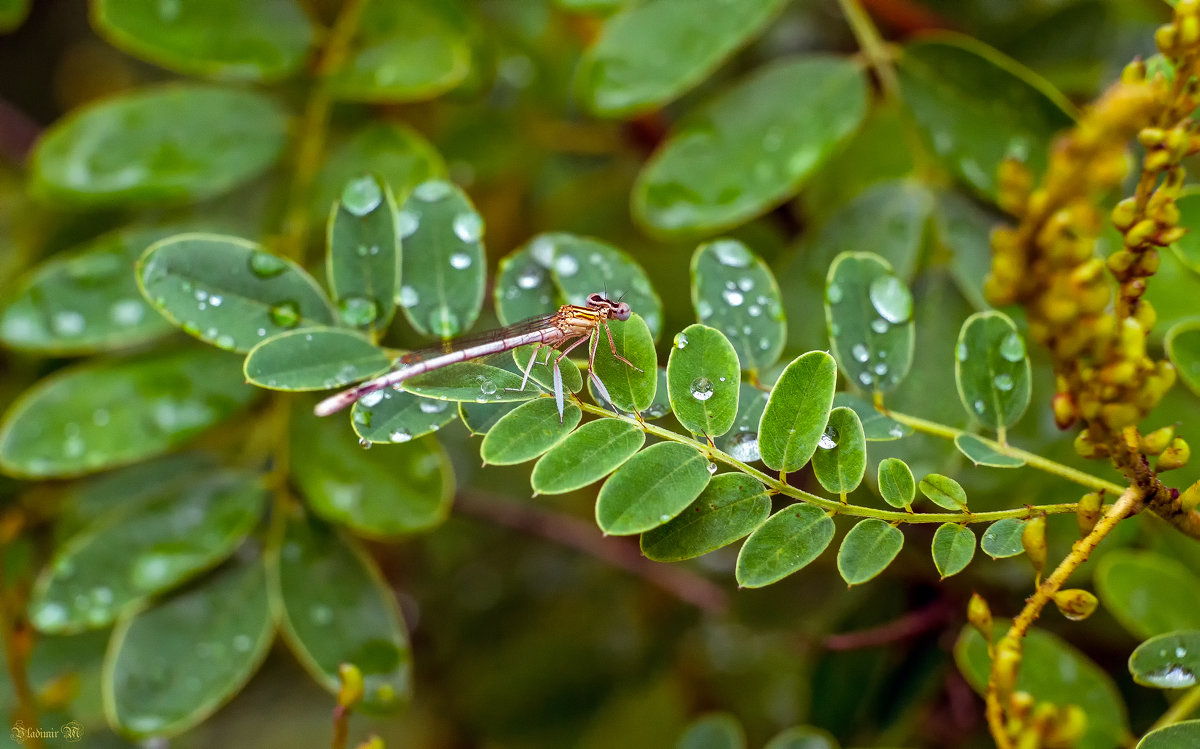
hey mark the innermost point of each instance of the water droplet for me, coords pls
(764, 344)
(833, 293)
(49, 615)
(891, 299)
(745, 284)
(745, 447)
(865, 379)
(732, 297)
(961, 352)
(67, 323)
(320, 614)
(754, 310)
(664, 517)
(681, 341)
(712, 467)
(468, 227)
(151, 571)
(702, 388)
(433, 190)
(1172, 676)
(1012, 348)
(243, 643)
(860, 352)
(487, 387)
(880, 369)
(829, 438)
(1003, 381)
(879, 325)
(127, 312)
(358, 311)
(362, 195)
(215, 300)
(399, 435)
(979, 406)
(364, 443)
(370, 400)
(566, 265)
(429, 406)
(225, 341)
(732, 253)
(460, 261)
(444, 322)
(530, 276)
(100, 417)
(408, 297)
(704, 309)
(285, 314)
(1180, 652)
(266, 265)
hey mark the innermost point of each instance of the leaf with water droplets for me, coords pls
(582, 266)
(941, 77)
(442, 267)
(896, 484)
(382, 493)
(1003, 538)
(525, 286)
(172, 665)
(868, 311)
(149, 548)
(404, 52)
(588, 454)
(649, 54)
(983, 454)
(752, 147)
(363, 258)
(85, 301)
(953, 549)
(1184, 733)
(1170, 661)
(876, 426)
(478, 418)
(391, 416)
(527, 432)
(395, 152)
(661, 405)
(335, 607)
(228, 291)
(651, 488)
(314, 359)
(713, 731)
(472, 381)
(629, 388)
(840, 467)
(259, 41)
(703, 380)
(1148, 593)
(867, 550)
(735, 292)
(167, 143)
(1182, 343)
(542, 371)
(731, 506)
(797, 411)
(992, 369)
(944, 491)
(788, 541)
(111, 412)
(741, 441)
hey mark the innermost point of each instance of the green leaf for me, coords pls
(741, 441)
(629, 389)
(404, 52)
(734, 291)
(1149, 594)
(876, 426)
(335, 607)
(713, 731)
(983, 454)
(840, 467)
(752, 147)
(363, 262)
(314, 359)
(394, 152)
(525, 285)
(393, 416)
(1053, 671)
(588, 454)
(260, 41)
(1186, 733)
(869, 314)
(944, 491)
(527, 432)
(731, 506)
(471, 381)
(480, 417)
(867, 550)
(941, 78)
(111, 412)
(953, 549)
(1003, 538)
(148, 548)
(171, 666)
(383, 493)
(896, 484)
(12, 14)
(648, 54)
(543, 373)
(703, 380)
(651, 488)
(802, 737)
(789, 540)
(442, 265)
(171, 143)
(85, 301)
(229, 291)
(965, 226)
(992, 370)
(582, 266)
(797, 411)
(1182, 343)
(1168, 661)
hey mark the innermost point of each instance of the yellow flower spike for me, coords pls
(1164, 39)
(1075, 603)
(1189, 31)
(1033, 540)
(1008, 663)
(1157, 441)
(1069, 728)
(1088, 512)
(351, 690)
(1020, 705)
(1147, 264)
(1171, 235)
(1157, 161)
(1117, 415)
(1175, 456)
(1145, 315)
(1063, 406)
(1133, 339)
(1119, 373)
(1087, 272)
(1130, 436)
(1140, 232)
(1134, 72)
(1120, 262)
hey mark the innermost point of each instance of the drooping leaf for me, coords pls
(876, 426)
(1149, 594)
(1170, 661)
(442, 266)
(944, 491)
(752, 147)
(713, 731)
(527, 432)
(840, 467)
(364, 252)
(651, 488)
(797, 411)
(896, 484)
(629, 388)
(731, 506)
(171, 666)
(703, 379)
(314, 359)
(111, 412)
(869, 315)
(1182, 343)
(148, 549)
(396, 153)
(788, 541)
(171, 143)
(336, 608)
(1003, 538)
(953, 548)
(867, 550)
(982, 454)
(992, 370)
(394, 416)
(588, 454)
(228, 291)
(735, 292)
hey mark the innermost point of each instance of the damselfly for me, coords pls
(569, 327)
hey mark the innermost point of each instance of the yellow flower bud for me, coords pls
(1190, 498)
(1157, 441)
(1175, 456)
(980, 616)
(1008, 663)
(1063, 406)
(1117, 415)
(1151, 137)
(1189, 30)
(1088, 512)
(351, 690)
(1075, 603)
(1145, 314)
(1033, 539)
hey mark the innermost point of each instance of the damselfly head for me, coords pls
(616, 310)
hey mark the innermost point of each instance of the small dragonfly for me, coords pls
(569, 327)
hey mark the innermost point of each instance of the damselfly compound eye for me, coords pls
(622, 311)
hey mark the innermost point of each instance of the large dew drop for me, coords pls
(358, 311)
(891, 299)
(702, 388)
(1012, 348)
(828, 439)
(266, 265)
(732, 253)
(468, 227)
(362, 195)
(285, 314)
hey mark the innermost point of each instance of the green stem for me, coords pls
(872, 46)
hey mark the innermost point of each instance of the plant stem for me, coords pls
(1181, 710)
(15, 658)
(872, 46)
